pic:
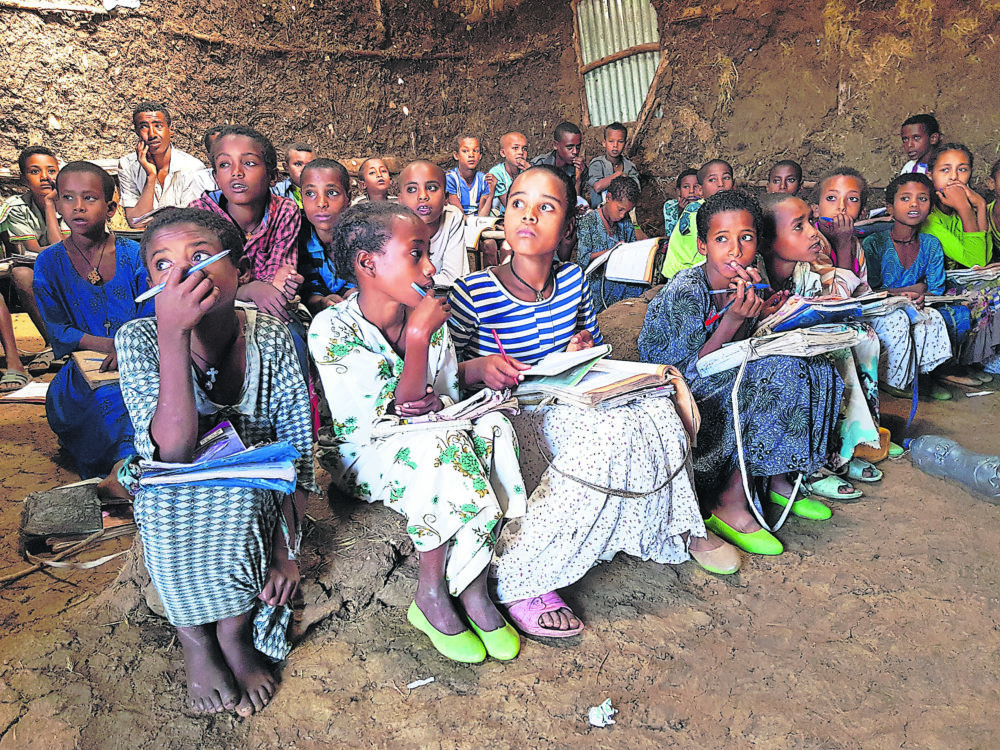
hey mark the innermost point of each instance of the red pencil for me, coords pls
(496, 337)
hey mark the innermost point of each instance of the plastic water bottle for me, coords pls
(942, 457)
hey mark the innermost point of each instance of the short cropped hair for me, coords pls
(703, 170)
(361, 169)
(623, 188)
(463, 137)
(298, 146)
(841, 172)
(22, 158)
(211, 133)
(615, 126)
(364, 227)
(929, 122)
(729, 200)
(995, 173)
(932, 160)
(230, 236)
(903, 179)
(689, 172)
(151, 107)
(769, 203)
(88, 167)
(565, 128)
(796, 167)
(270, 155)
(336, 166)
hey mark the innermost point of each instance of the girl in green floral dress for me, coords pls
(386, 353)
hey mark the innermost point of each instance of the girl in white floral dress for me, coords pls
(386, 353)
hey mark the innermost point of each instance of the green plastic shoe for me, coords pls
(503, 643)
(804, 507)
(759, 542)
(895, 450)
(464, 647)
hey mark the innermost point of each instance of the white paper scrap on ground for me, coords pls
(600, 716)
(419, 683)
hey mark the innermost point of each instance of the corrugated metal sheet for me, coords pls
(617, 90)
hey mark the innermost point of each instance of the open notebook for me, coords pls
(631, 262)
(606, 383)
(803, 312)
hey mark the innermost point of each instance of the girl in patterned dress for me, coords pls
(222, 559)
(788, 406)
(602, 481)
(385, 354)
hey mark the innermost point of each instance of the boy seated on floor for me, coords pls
(514, 152)
(688, 190)
(297, 155)
(32, 224)
(469, 190)
(245, 166)
(422, 188)
(612, 163)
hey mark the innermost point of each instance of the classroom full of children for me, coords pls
(347, 314)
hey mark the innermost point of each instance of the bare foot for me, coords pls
(562, 619)
(250, 667)
(211, 687)
(111, 487)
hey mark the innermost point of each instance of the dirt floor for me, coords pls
(878, 629)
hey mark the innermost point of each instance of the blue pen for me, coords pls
(857, 230)
(197, 267)
(418, 289)
(749, 286)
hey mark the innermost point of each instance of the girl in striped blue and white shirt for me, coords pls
(618, 481)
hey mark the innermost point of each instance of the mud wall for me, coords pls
(821, 81)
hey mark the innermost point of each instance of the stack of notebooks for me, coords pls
(458, 416)
(963, 276)
(803, 312)
(801, 342)
(588, 379)
(630, 262)
(221, 460)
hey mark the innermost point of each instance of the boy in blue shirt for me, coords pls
(468, 189)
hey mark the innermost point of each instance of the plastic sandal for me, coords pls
(829, 487)
(464, 647)
(723, 560)
(525, 614)
(760, 542)
(503, 643)
(41, 363)
(858, 466)
(804, 507)
(895, 450)
(13, 380)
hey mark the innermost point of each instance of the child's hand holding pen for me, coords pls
(498, 371)
(427, 316)
(184, 301)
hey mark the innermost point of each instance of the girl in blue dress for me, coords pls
(86, 288)
(788, 405)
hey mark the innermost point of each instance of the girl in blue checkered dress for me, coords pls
(222, 559)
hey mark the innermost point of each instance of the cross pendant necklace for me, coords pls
(107, 327)
(210, 375)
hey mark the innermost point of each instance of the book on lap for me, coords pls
(629, 262)
(89, 363)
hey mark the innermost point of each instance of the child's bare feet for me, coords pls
(250, 668)
(211, 687)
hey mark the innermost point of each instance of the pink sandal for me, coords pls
(525, 614)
